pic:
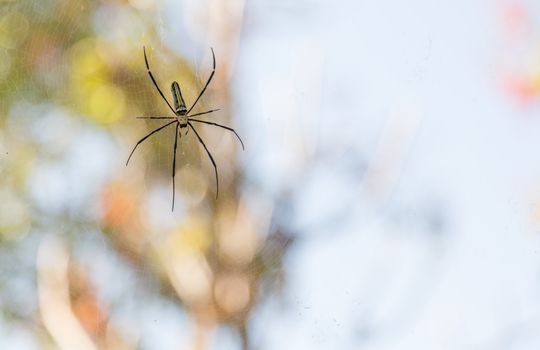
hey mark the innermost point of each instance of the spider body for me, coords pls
(180, 108)
(182, 119)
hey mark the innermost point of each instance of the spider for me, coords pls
(182, 119)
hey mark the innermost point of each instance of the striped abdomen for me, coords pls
(179, 104)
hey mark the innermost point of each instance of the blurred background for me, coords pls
(387, 198)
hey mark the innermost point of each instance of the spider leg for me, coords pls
(209, 155)
(147, 136)
(207, 82)
(154, 80)
(221, 126)
(196, 114)
(174, 163)
(155, 118)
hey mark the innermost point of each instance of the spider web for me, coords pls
(72, 82)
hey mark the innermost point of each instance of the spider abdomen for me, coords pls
(180, 108)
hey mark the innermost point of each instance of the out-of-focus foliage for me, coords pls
(519, 64)
(88, 246)
(375, 202)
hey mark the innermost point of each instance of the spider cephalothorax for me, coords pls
(183, 119)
